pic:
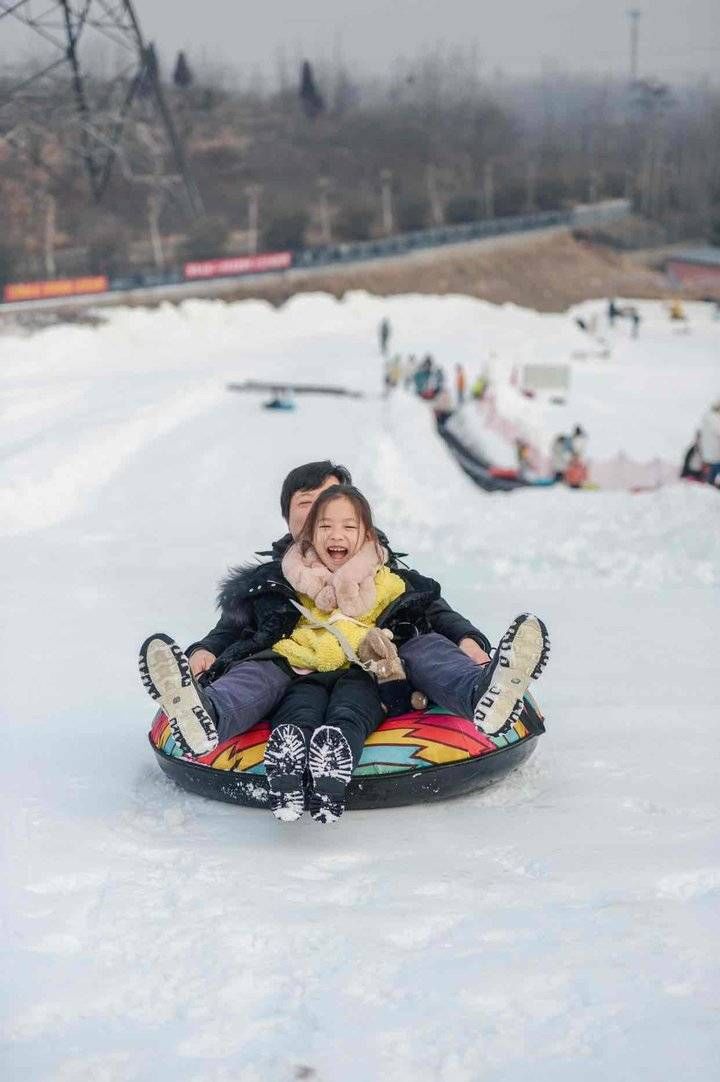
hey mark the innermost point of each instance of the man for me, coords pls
(449, 663)
(300, 489)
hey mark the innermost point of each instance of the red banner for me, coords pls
(246, 264)
(694, 274)
(56, 287)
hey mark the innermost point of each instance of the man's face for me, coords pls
(301, 502)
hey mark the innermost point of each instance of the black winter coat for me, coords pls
(257, 611)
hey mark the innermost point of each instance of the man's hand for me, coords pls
(200, 661)
(469, 647)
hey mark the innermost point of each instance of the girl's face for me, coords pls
(339, 533)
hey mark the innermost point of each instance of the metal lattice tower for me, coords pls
(94, 88)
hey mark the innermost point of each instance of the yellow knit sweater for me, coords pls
(317, 648)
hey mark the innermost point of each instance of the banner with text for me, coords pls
(55, 287)
(238, 265)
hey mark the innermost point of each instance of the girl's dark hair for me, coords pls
(335, 492)
(307, 477)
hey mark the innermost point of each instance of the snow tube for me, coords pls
(419, 757)
(509, 474)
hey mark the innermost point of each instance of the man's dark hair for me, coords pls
(310, 475)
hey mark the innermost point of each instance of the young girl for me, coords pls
(338, 570)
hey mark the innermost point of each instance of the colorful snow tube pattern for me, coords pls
(417, 756)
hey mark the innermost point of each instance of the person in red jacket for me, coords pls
(576, 473)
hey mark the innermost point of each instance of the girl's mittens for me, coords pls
(285, 764)
(379, 651)
(331, 767)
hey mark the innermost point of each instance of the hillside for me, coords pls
(548, 272)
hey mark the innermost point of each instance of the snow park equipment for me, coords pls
(294, 388)
(417, 758)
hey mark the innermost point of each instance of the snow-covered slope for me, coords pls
(557, 926)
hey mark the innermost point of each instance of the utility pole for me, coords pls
(488, 190)
(153, 209)
(634, 15)
(436, 207)
(325, 230)
(253, 193)
(49, 239)
(387, 207)
(531, 178)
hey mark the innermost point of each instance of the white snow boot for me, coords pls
(331, 766)
(286, 760)
(165, 673)
(520, 658)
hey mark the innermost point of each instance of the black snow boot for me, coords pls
(166, 676)
(521, 657)
(286, 759)
(331, 766)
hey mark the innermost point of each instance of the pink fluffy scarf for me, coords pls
(351, 588)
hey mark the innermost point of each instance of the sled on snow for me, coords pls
(416, 758)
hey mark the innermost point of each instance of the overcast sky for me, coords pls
(679, 39)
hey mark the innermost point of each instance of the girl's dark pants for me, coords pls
(345, 698)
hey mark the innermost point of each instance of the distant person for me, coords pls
(710, 444)
(442, 406)
(692, 467)
(578, 442)
(279, 402)
(460, 383)
(560, 455)
(479, 387)
(393, 372)
(423, 376)
(612, 313)
(635, 320)
(384, 332)
(576, 473)
(523, 454)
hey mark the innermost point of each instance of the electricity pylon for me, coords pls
(95, 90)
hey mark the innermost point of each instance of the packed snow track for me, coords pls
(555, 927)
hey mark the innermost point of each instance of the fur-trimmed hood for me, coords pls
(246, 581)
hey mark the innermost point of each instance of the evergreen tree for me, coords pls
(310, 97)
(150, 72)
(182, 76)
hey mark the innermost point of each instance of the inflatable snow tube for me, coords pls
(412, 759)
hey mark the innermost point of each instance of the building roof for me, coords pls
(709, 257)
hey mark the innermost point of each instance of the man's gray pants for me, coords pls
(246, 694)
(251, 690)
(448, 677)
